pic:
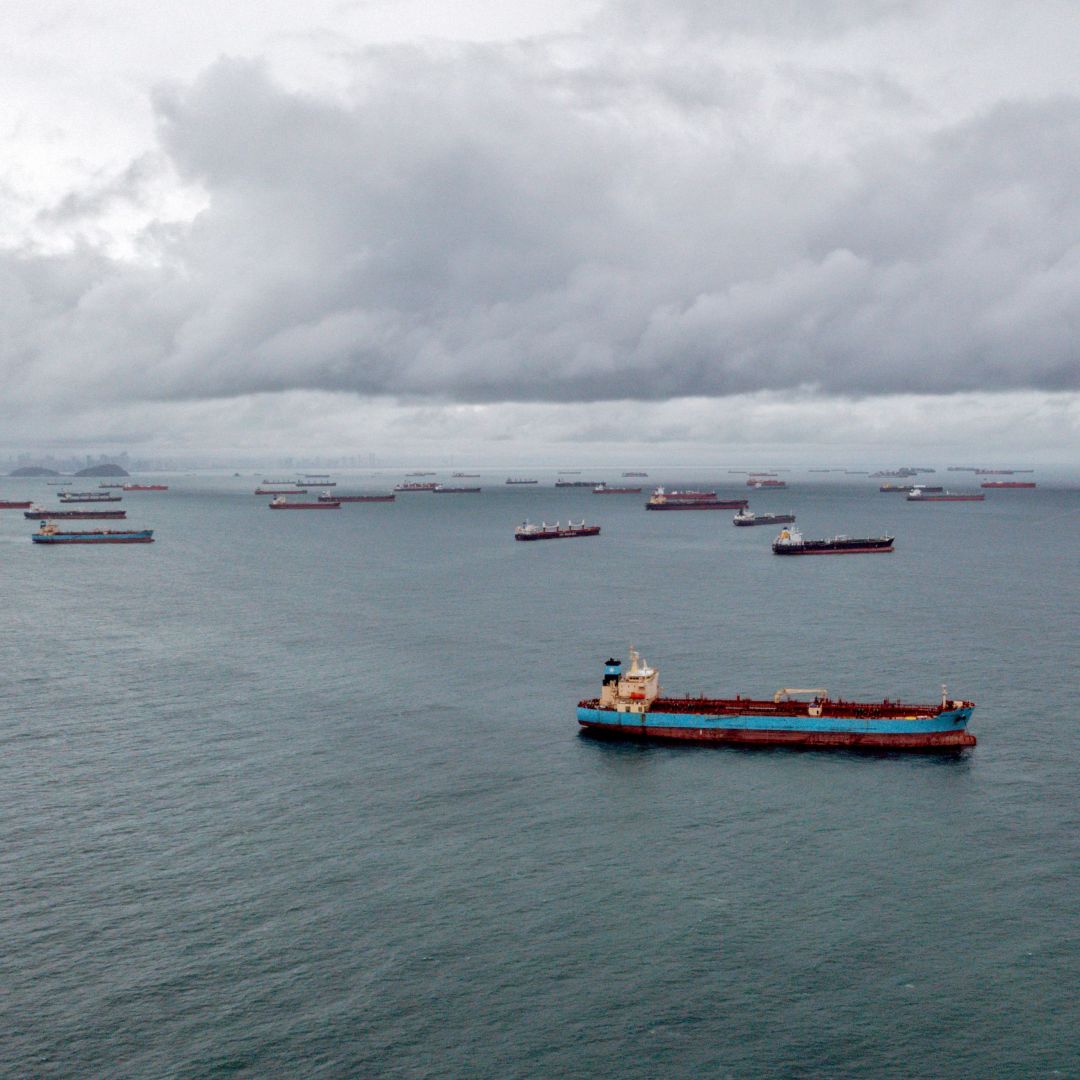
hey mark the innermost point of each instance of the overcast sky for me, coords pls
(666, 229)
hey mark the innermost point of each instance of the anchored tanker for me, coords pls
(632, 705)
(791, 542)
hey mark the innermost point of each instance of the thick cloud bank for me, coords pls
(554, 221)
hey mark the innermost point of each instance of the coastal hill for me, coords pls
(103, 470)
(33, 470)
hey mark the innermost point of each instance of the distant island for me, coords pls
(103, 470)
(33, 470)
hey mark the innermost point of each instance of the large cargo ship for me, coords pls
(662, 501)
(791, 542)
(88, 497)
(918, 494)
(40, 513)
(50, 534)
(528, 531)
(1008, 484)
(281, 503)
(748, 517)
(326, 497)
(632, 705)
(7, 504)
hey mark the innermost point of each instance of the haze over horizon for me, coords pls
(611, 232)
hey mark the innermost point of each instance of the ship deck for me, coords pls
(740, 706)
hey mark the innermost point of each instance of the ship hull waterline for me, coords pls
(53, 540)
(944, 733)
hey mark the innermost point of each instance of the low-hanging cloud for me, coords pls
(505, 223)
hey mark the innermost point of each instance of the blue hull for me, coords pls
(946, 730)
(142, 537)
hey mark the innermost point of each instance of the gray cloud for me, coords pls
(768, 18)
(496, 223)
(127, 187)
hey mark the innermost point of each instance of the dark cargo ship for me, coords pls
(88, 497)
(698, 501)
(748, 517)
(918, 494)
(39, 513)
(791, 542)
(527, 531)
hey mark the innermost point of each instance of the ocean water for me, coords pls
(303, 794)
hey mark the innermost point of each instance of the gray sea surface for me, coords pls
(302, 794)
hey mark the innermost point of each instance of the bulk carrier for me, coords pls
(632, 705)
(684, 500)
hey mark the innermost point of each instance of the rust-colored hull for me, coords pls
(933, 742)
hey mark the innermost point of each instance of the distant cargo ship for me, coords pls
(420, 474)
(416, 486)
(791, 542)
(145, 487)
(697, 501)
(511, 480)
(443, 489)
(921, 495)
(50, 534)
(571, 483)
(327, 497)
(747, 517)
(759, 484)
(632, 705)
(280, 491)
(895, 487)
(608, 489)
(7, 504)
(465, 476)
(1008, 484)
(635, 474)
(39, 513)
(281, 503)
(528, 531)
(685, 494)
(88, 497)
